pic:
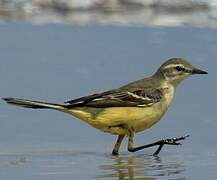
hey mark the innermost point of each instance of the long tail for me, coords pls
(33, 104)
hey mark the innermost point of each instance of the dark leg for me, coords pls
(161, 143)
(117, 145)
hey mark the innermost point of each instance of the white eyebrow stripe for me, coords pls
(173, 66)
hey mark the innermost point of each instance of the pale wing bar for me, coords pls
(119, 98)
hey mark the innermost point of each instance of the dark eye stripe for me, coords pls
(179, 68)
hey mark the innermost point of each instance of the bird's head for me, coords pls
(175, 70)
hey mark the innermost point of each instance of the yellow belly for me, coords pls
(111, 119)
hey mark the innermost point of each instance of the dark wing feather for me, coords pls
(119, 98)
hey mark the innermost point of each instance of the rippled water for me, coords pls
(141, 167)
(68, 164)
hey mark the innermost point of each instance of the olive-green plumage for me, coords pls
(129, 109)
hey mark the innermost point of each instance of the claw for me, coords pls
(182, 137)
(173, 141)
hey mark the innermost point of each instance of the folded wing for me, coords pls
(119, 98)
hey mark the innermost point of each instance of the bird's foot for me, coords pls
(171, 141)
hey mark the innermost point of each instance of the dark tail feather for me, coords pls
(33, 104)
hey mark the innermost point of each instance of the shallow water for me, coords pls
(59, 62)
(69, 164)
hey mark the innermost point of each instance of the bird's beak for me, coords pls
(198, 71)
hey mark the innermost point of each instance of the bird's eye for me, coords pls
(179, 68)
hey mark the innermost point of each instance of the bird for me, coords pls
(128, 109)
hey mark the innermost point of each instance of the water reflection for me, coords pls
(141, 167)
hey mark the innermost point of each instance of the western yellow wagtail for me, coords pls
(129, 109)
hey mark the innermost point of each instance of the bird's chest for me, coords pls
(154, 113)
(169, 92)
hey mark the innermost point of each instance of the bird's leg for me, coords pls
(131, 141)
(160, 143)
(116, 148)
